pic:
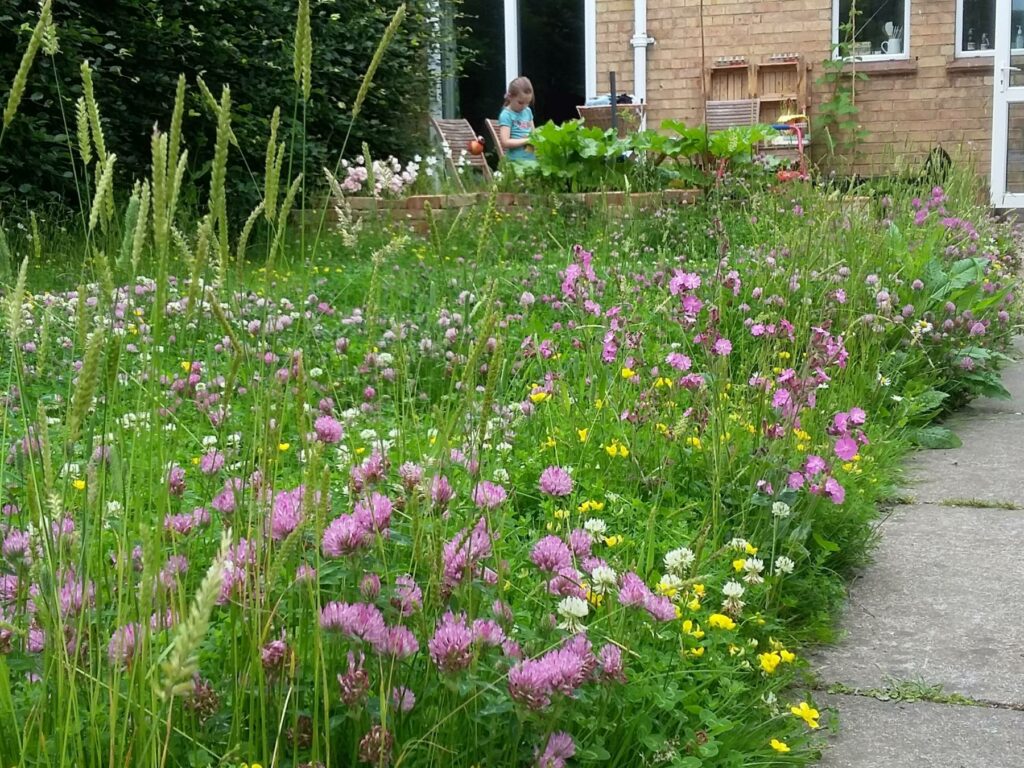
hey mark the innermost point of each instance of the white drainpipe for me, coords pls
(640, 41)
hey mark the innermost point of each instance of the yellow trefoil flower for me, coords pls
(698, 652)
(561, 514)
(627, 373)
(787, 656)
(78, 485)
(693, 629)
(779, 746)
(590, 505)
(751, 549)
(549, 443)
(539, 397)
(699, 590)
(721, 621)
(737, 565)
(613, 541)
(583, 434)
(616, 449)
(769, 661)
(283, 446)
(693, 442)
(661, 381)
(807, 713)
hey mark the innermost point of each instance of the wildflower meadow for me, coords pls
(542, 487)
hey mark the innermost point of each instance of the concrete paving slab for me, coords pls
(1013, 379)
(989, 466)
(941, 603)
(886, 734)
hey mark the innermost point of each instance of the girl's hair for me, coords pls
(521, 86)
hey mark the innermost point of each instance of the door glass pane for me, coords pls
(1017, 42)
(1015, 148)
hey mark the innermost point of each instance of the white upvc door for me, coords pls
(1008, 109)
(513, 65)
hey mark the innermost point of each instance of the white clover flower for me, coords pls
(596, 527)
(679, 559)
(368, 434)
(501, 476)
(669, 584)
(784, 565)
(733, 589)
(316, 373)
(503, 447)
(738, 543)
(753, 567)
(572, 610)
(209, 441)
(603, 579)
(781, 509)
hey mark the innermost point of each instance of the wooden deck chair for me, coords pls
(457, 134)
(495, 130)
(719, 115)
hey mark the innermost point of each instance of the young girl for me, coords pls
(516, 120)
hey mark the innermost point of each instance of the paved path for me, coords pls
(930, 673)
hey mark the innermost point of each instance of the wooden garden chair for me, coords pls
(719, 115)
(495, 130)
(457, 134)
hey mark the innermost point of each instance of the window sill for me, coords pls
(979, 64)
(882, 68)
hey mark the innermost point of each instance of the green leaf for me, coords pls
(935, 437)
(821, 541)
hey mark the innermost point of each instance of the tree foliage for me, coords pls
(137, 50)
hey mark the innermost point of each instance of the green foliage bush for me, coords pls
(137, 49)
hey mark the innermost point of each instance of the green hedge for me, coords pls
(137, 48)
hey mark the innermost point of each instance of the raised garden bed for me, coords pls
(414, 209)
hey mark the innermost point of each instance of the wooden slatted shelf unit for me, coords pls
(781, 87)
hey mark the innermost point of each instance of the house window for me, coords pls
(976, 27)
(872, 29)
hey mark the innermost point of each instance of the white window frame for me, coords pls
(904, 56)
(962, 53)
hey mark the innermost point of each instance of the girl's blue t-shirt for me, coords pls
(519, 124)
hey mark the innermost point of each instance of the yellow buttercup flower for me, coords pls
(78, 485)
(779, 746)
(806, 713)
(721, 621)
(186, 366)
(283, 447)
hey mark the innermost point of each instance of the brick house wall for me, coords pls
(908, 107)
